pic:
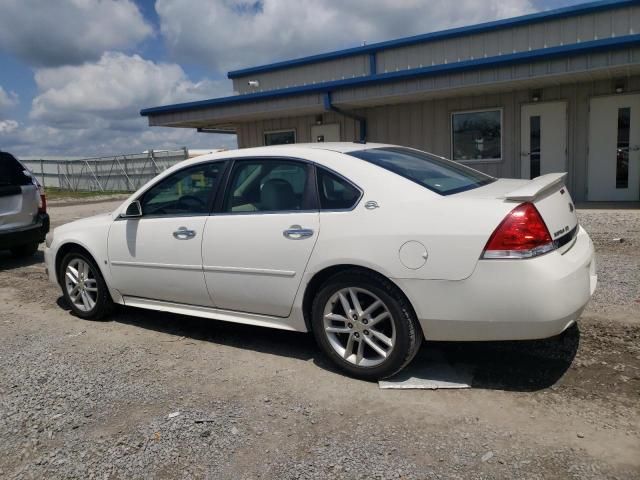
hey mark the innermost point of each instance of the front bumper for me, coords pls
(50, 264)
(34, 233)
(508, 299)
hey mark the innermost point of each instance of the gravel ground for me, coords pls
(155, 395)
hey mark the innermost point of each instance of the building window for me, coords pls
(280, 137)
(477, 135)
(622, 151)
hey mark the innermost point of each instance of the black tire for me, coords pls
(103, 304)
(408, 332)
(26, 250)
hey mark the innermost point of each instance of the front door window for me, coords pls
(187, 192)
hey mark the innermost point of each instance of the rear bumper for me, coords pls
(34, 233)
(508, 299)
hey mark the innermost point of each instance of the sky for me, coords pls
(74, 74)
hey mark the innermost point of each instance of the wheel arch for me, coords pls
(319, 278)
(69, 247)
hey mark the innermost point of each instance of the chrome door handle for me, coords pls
(183, 233)
(296, 232)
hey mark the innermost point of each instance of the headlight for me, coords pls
(48, 240)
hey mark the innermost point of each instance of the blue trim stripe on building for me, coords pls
(559, 13)
(592, 46)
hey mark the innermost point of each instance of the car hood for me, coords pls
(86, 223)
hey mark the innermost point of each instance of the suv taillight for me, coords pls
(42, 204)
(522, 234)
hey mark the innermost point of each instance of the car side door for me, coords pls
(158, 255)
(257, 244)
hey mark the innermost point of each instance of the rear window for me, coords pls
(12, 172)
(437, 174)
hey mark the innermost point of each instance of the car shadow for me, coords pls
(9, 262)
(523, 366)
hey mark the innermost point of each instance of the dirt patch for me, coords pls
(95, 399)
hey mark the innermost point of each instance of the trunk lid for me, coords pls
(552, 199)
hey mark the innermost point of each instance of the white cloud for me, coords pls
(93, 109)
(64, 32)
(229, 34)
(7, 99)
(110, 92)
(8, 126)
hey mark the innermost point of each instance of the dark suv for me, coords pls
(24, 222)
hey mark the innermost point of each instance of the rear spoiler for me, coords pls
(537, 187)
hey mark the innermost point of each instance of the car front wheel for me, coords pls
(365, 325)
(84, 288)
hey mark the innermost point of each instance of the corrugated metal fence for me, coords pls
(117, 173)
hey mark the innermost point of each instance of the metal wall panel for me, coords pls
(594, 64)
(612, 23)
(338, 69)
(615, 22)
(426, 125)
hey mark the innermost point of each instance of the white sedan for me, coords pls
(371, 247)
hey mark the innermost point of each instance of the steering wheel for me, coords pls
(190, 198)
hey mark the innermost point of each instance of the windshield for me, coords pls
(440, 175)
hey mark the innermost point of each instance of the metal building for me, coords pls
(551, 91)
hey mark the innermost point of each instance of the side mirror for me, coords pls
(134, 210)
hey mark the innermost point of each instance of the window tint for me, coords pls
(335, 193)
(266, 186)
(12, 172)
(437, 174)
(187, 192)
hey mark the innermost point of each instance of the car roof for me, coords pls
(289, 150)
(341, 147)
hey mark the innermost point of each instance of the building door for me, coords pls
(614, 148)
(543, 139)
(325, 133)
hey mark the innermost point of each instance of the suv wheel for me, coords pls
(84, 288)
(365, 325)
(25, 250)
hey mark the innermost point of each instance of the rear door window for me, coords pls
(12, 172)
(336, 193)
(439, 175)
(267, 185)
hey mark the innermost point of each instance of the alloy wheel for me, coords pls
(359, 327)
(81, 284)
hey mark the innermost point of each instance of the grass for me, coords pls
(59, 193)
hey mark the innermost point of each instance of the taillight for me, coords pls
(42, 204)
(522, 234)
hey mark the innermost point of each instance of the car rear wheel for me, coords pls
(365, 325)
(84, 288)
(26, 250)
